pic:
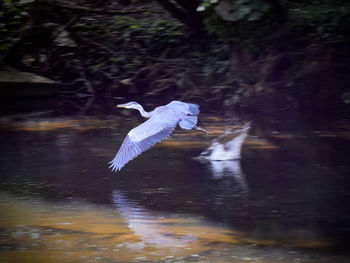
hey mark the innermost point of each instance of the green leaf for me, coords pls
(254, 16)
(79, 25)
(240, 13)
(134, 27)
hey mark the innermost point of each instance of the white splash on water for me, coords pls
(227, 147)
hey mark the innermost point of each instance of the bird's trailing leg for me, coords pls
(199, 129)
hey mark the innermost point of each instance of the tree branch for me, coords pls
(62, 4)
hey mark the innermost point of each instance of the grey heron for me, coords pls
(161, 123)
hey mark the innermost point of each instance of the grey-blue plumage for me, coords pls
(161, 123)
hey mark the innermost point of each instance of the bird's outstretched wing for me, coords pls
(143, 137)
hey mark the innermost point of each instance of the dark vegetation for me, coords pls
(272, 56)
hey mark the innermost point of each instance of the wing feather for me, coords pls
(143, 137)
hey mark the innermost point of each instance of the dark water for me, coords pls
(286, 200)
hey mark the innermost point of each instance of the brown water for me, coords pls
(285, 201)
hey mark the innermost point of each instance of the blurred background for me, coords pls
(282, 65)
(267, 56)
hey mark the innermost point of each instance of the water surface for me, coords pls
(286, 200)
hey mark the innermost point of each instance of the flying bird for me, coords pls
(160, 124)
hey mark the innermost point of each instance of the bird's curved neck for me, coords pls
(144, 113)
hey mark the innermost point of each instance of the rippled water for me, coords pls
(286, 200)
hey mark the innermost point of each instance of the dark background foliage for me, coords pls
(262, 55)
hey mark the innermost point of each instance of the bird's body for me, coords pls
(161, 123)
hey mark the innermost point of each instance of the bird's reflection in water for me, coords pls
(148, 227)
(231, 168)
(223, 159)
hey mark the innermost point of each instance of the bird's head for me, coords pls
(129, 105)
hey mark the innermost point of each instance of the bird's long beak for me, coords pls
(120, 106)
